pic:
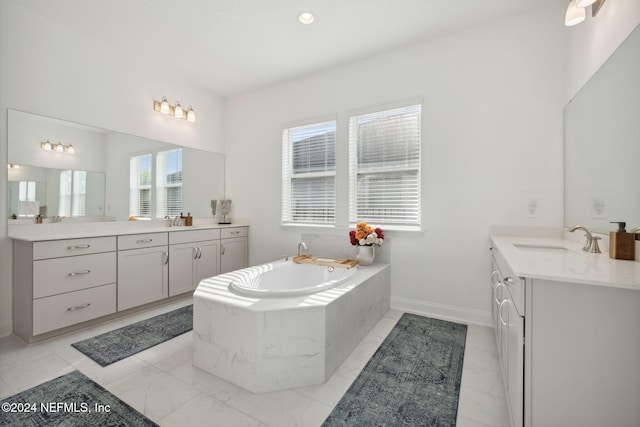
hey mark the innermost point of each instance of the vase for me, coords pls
(365, 254)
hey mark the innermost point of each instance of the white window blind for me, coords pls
(384, 168)
(169, 183)
(73, 193)
(140, 176)
(309, 174)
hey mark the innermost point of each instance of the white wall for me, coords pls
(47, 69)
(492, 142)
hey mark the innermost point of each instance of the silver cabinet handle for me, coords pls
(495, 292)
(504, 301)
(508, 281)
(78, 307)
(235, 232)
(144, 241)
(79, 273)
(74, 247)
(165, 258)
(221, 249)
(199, 252)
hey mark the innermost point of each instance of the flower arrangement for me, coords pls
(365, 235)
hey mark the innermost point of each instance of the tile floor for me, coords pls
(161, 382)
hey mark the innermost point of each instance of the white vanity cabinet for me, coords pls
(193, 255)
(143, 271)
(508, 313)
(233, 249)
(63, 282)
(570, 322)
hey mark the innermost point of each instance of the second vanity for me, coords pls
(567, 329)
(70, 277)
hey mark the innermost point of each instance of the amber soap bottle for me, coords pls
(622, 245)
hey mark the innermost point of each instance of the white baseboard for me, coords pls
(441, 311)
(6, 328)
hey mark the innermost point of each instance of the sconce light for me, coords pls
(176, 111)
(576, 10)
(59, 147)
(13, 166)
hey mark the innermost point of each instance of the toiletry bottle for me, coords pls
(39, 219)
(188, 220)
(622, 245)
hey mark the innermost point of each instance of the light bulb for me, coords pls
(59, 147)
(70, 149)
(191, 115)
(178, 110)
(164, 105)
(575, 14)
(47, 146)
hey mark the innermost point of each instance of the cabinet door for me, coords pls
(515, 366)
(182, 267)
(142, 276)
(208, 260)
(233, 254)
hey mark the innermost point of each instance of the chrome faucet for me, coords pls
(591, 243)
(301, 246)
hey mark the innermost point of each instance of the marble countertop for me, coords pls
(527, 257)
(57, 231)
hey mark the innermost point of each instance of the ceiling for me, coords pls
(234, 46)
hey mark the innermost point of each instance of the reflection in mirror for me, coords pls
(602, 144)
(94, 183)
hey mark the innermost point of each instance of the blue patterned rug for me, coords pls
(413, 379)
(121, 343)
(69, 400)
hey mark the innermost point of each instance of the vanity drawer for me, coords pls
(189, 236)
(72, 247)
(58, 311)
(227, 233)
(137, 241)
(59, 275)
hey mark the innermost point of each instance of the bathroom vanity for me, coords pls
(566, 324)
(70, 277)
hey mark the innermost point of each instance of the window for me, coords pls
(27, 204)
(73, 193)
(384, 168)
(140, 176)
(168, 184)
(309, 174)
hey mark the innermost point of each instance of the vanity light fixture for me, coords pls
(306, 18)
(13, 166)
(176, 111)
(576, 10)
(59, 147)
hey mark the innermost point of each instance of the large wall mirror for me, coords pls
(602, 144)
(95, 183)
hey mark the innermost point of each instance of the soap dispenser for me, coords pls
(622, 245)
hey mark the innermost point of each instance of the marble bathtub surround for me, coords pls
(282, 343)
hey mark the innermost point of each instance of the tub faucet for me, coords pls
(588, 244)
(301, 246)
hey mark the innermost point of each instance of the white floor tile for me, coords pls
(162, 383)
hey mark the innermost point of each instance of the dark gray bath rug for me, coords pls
(121, 343)
(413, 379)
(70, 400)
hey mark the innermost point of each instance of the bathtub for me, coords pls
(287, 278)
(267, 328)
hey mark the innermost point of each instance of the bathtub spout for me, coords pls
(301, 246)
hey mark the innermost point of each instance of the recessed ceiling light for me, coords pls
(306, 18)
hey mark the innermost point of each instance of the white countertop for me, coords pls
(57, 231)
(570, 265)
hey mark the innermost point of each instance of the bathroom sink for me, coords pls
(540, 248)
